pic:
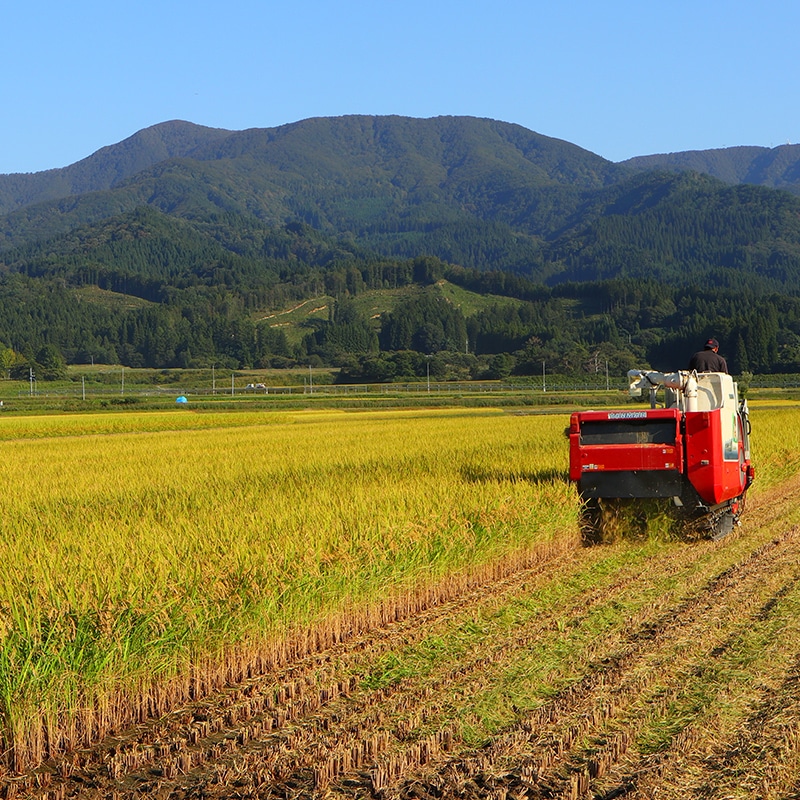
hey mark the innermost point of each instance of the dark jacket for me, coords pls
(708, 361)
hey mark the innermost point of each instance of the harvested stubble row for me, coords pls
(579, 751)
(392, 702)
(553, 666)
(746, 744)
(576, 737)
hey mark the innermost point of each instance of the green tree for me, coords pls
(500, 366)
(7, 360)
(50, 364)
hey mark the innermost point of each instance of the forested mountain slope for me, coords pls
(206, 230)
(776, 167)
(365, 175)
(474, 192)
(108, 166)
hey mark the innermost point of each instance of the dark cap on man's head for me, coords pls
(712, 344)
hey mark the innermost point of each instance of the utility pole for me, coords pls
(544, 388)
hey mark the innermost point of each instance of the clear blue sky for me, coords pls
(620, 78)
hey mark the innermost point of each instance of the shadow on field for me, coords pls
(475, 474)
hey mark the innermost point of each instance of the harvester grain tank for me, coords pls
(691, 453)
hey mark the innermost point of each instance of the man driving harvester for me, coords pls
(708, 359)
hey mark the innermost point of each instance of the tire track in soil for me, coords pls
(762, 760)
(507, 768)
(544, 756)
(760, 756)
(276, 735)
(665, 773)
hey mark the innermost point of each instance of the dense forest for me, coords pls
(488, 251)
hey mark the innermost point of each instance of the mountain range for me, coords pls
(476, 192)
(777, 167)
(272, 213)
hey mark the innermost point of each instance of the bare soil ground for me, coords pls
(692, 692)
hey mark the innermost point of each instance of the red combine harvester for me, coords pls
(692, 455)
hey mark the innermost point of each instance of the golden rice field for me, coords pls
(270, 569)
(137, 546)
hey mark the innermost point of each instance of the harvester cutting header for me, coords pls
(692, 453)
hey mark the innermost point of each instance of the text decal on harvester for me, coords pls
(627, 415)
